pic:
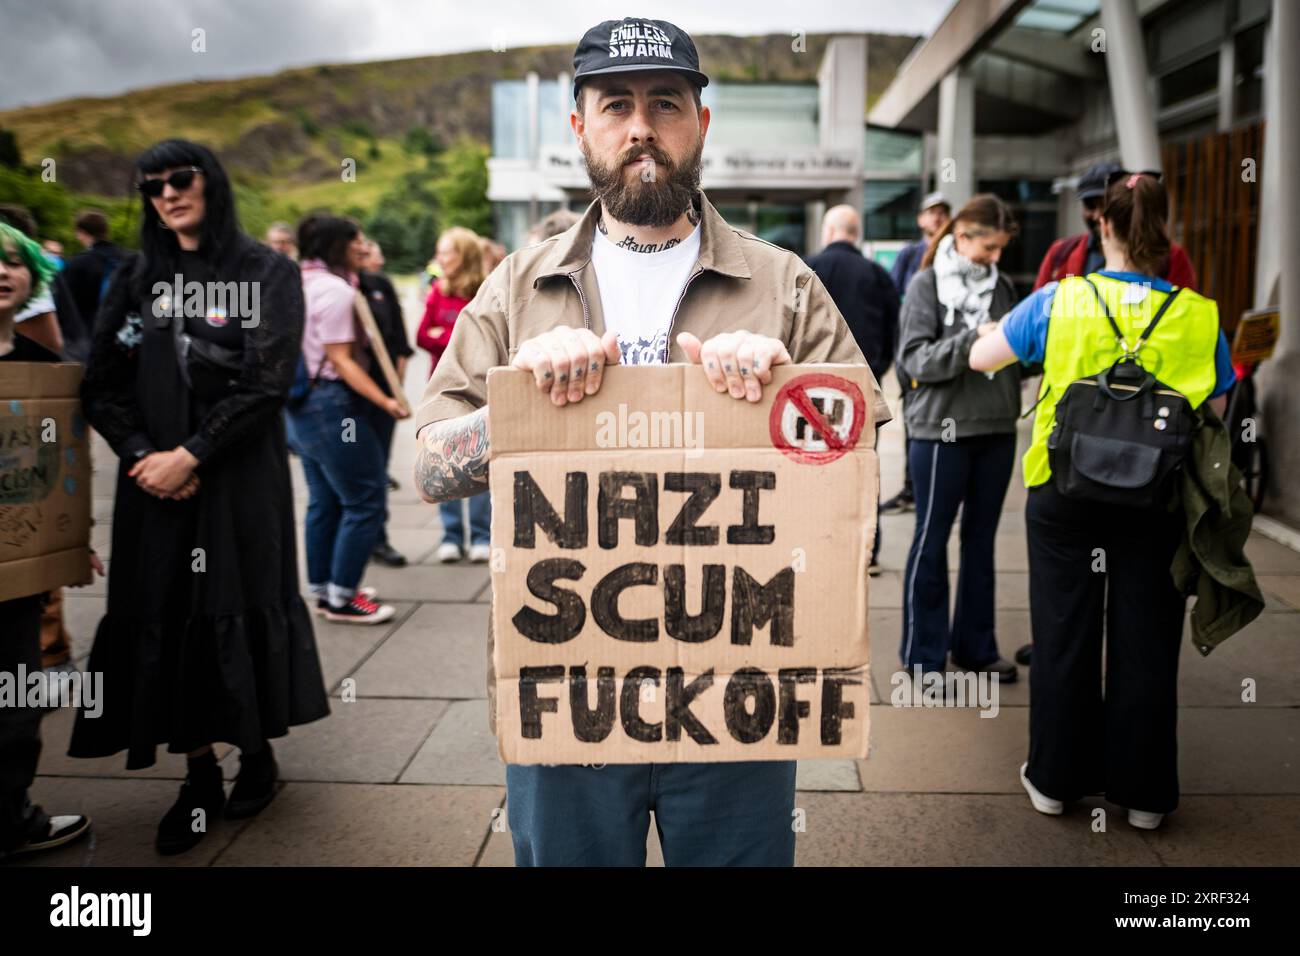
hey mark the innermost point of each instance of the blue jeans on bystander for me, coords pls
(706, 814)
(347, 482)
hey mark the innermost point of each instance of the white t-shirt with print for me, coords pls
(639, 292)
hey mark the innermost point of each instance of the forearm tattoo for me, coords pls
(453, 458)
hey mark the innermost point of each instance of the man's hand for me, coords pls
(164, 473)
(567, 362)
(396, 409)
(736, 362)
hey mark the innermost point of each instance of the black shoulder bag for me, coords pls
(1121, 433)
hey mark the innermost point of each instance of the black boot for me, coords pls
(180, 828)
(255, 785)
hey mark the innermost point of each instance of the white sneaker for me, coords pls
(449, 553)
(1042, 803)
(480, 553)
(1144, 820)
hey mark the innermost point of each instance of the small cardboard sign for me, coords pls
(680, 576)
(44, 479)
(1256, 336)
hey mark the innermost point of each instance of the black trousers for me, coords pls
(1095, 568)
(20, 739)
(971, 474)
(384, 425)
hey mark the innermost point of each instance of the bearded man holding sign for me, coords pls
(651, 274)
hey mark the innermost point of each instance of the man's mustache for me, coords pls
(654, 152)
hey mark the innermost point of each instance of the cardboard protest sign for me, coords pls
(380, 350)
(44, 479)
(679, 576)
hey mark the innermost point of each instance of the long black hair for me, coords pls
(220, 236)
(326, 237)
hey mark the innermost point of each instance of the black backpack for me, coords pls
(1121, 433)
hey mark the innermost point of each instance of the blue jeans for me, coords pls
(973, 473)
(480, 520)
(348, 485)
(707, 814)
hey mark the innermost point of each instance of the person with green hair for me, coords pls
(25, 275)
(24, 827)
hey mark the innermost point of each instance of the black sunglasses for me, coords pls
(179, 180)
(1119, 174)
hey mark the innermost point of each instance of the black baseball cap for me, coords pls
(1093, 182)
(636, 44)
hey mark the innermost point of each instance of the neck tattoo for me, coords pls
(631, 245)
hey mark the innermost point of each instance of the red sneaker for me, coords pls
(360, 611)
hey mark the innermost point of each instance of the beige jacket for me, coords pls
(739, 282)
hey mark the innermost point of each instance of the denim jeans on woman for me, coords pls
(480, 519)
(344, 465)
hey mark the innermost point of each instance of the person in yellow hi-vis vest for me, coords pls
(1087, 558)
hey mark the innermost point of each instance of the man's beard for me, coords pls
(656, 202)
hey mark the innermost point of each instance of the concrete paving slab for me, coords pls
(357, 824)
(419, 582)
(56, 731)
(125, 816)
(945, 750)
(461, 750)
(1266, 651)
(344, 647)
(362, 741)
(1241, 750)
(827, 775)
(441, 651)
(933, 829)
(1281, 591)
(1232, 830)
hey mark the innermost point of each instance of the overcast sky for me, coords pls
(54, 49)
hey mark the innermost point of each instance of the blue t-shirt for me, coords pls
(1025, 327)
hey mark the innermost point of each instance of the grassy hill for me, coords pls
(283, 136)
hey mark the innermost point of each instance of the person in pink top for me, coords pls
(331, 427)
(460, 258)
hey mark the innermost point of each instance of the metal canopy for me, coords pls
(1027, 59)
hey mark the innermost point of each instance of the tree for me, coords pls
(9, 153)
(405, 223)
(419, 139)
(460, 187)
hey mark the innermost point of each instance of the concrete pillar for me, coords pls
(1126, 68)
(842, 103)
(1279, 378)
(1227, 81)
(955, 159)
(813, 211)
(533, 97)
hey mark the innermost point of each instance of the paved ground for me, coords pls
(408, 774)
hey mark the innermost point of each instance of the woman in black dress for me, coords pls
(206, 637)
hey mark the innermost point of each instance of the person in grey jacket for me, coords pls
(963, 440)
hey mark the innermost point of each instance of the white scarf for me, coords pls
(965, 287)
